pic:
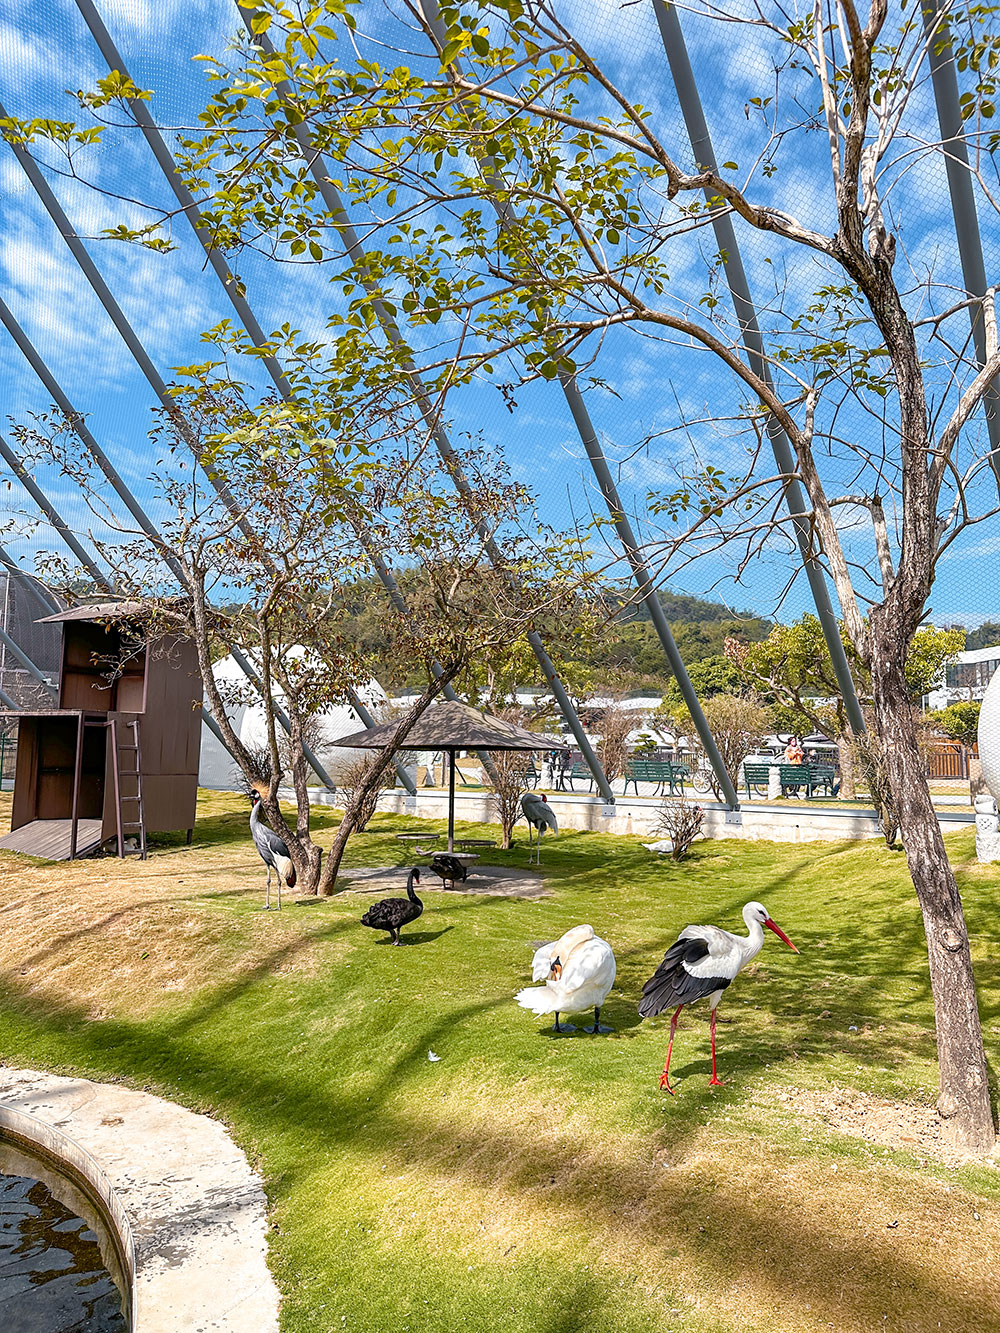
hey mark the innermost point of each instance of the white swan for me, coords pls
(578, 970)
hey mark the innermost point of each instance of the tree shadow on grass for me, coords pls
(625, 1204)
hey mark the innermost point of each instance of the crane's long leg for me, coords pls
(267, 894)
(278, 873)
(665, 1076)
(714, 1081)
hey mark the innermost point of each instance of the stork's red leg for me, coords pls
(665, 1076)
(714, 1081)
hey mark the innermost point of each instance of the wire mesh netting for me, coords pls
(661, 406)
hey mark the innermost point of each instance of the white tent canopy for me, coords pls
(245, 712)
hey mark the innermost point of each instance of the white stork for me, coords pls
(700, 966)
(540, 816)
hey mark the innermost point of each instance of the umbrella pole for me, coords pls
(451, 801)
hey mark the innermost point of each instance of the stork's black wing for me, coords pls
(672, 984)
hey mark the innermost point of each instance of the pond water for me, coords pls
(56, 1257)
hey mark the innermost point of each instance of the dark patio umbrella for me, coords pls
(452, 726)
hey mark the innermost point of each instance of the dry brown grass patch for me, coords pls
(79, 932)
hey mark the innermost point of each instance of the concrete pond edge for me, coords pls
(188, 1213)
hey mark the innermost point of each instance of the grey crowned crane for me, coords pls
(700, 966)
(392, 914)
(540, 816)
(273, 851)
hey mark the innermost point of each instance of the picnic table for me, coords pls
(470, 844)
(663, 772)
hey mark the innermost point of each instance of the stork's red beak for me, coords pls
(780, 934)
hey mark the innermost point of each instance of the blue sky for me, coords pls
(45, 48)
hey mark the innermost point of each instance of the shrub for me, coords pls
(507, 786)
(681, 821)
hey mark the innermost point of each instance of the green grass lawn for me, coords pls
(525, 1183)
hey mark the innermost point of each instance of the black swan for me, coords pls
(449, 868)
(392, 914)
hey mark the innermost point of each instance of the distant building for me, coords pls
(966, 678)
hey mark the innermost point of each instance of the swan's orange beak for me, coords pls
(780, 934)
(556, 972)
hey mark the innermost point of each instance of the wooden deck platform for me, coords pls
(50, 838)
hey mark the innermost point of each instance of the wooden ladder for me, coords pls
(133, 799)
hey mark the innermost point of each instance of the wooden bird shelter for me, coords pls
(117, 757)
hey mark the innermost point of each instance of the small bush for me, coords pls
(681, 821)
(507, 785)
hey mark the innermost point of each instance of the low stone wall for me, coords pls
(190, 1213)
(93, 1190)
(792, 822)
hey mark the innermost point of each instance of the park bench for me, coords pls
(661, 772)
(756, 778)
(823, 776)
(571, 775)
(793, 777)
(813, 777)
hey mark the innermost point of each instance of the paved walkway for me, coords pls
(494, 881)
(197, 1210)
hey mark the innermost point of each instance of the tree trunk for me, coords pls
(964, 1099)
(848, 768)
(331, 868)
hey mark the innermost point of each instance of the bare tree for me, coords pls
(615, 725)
(282, 541)
(507, 784)
(353, 778)
(739, 726)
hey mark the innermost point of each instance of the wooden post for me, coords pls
(113, 739)
(77, 771)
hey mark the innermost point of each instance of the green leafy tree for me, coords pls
(930, 651)
(521, 207)
(792, 669)
(960, 722)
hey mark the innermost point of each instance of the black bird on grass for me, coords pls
(449, 868)
(392, 914)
